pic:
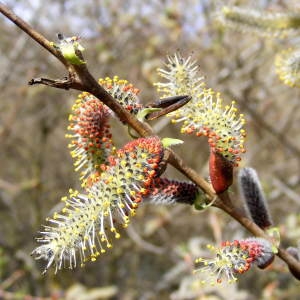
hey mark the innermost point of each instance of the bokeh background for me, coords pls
(131, 38)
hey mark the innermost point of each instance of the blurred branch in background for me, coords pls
(15, 56)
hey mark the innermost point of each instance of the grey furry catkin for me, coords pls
(253, 195)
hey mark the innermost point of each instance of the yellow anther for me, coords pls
(119, 190)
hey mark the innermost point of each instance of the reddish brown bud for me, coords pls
(220, 172)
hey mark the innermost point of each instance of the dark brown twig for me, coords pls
(65, 83)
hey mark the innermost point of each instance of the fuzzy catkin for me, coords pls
(265, 23)
(166, 191)
(233, 258)
(88, 222)
(253, 195)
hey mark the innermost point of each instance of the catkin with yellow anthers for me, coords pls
(205, 114)
(84, 226)
(287, 65)
(124, 92)
(91, 142)
(233, 258)
(266, 23)
(182, 77)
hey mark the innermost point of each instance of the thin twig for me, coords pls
(14, 277)
(13, 296)
(284, 188)
(65, 83)
(143, 244)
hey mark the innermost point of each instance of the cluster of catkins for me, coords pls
(205, 115)
(115, 181)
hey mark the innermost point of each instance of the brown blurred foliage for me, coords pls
(154, 258)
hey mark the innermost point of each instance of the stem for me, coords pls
(177, 162)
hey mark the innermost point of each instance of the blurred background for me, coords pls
(131, 39)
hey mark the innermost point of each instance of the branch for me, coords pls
(65, 83)
(81, 79)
